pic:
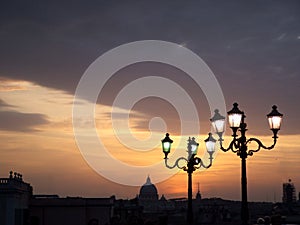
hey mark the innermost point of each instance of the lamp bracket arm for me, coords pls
(203, 165)
(232, 146)
(176, 164)
(259, 145)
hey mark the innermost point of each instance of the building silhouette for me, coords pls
(148, 191)
(288, 192)
(70, 210)
(19, 206)
(15, 196)
(198, 195)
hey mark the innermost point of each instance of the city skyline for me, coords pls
(253, 49)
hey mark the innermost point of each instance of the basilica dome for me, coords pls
(148, 191)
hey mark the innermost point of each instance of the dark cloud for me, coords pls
(53, 43)
(21, 122)
(252, 47)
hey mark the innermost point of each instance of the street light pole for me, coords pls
(243, 156)
(240, 145)
(192, 163)
(190, 215)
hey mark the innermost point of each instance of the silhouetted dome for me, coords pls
(148, 191)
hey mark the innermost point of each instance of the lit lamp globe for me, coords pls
(166, 145)
(193, 146)
(275, 118)
(210, 143)
(218, 123)
(235, 116)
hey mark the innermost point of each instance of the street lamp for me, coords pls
(192, 163)
(236, 119)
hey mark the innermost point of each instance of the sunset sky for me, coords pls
(252, 48)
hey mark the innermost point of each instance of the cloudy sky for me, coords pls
(253, 49)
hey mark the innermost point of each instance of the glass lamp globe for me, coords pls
(194, 146)
(166, 144)
(218, 122)
(235, 116)
(210, 143)
(274, 118)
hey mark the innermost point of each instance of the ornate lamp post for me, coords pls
(239, 145)
(192, 163)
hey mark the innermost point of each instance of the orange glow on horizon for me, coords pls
(50, 160)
